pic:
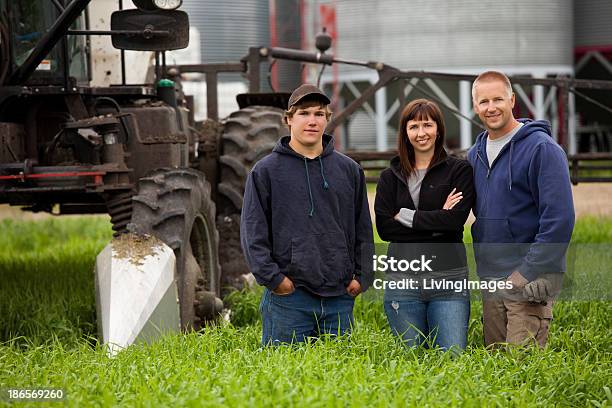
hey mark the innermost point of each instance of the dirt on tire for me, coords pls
(175, 206)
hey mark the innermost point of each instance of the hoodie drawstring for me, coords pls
(510, 165)
(325, 184)
(309, 189)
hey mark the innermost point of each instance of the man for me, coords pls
(523, 197)
(304, 226)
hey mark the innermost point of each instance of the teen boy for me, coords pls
(304, 226)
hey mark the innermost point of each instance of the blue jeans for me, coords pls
(441, 321)
(300, 315)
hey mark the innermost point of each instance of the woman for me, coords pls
(422, 201)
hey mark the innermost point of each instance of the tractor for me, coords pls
(72, 143)
(130, 150)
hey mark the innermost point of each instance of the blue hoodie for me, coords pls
(524, 198)
(307, 219)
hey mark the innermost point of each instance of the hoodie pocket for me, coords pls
(319, 260)
(492, 230)
(493, 242)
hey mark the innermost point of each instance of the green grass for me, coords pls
(47, 339)
(585, 172)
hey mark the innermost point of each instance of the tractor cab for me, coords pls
(23, 25)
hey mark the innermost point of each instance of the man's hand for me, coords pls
(284, 288)
(539, 290)
(354, 288)
(518, 281)
(452, 199)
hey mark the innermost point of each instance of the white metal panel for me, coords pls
(106, 59)
(135, 292)
(593, 22)
(228, 28)
(419, 34)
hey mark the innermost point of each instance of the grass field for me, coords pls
(47, 339)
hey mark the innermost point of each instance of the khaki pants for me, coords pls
(516, 322)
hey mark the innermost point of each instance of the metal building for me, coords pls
(593, 56)
(226, 27)
(225, 31)
(592, 22)
(519, 37)
(286, 31)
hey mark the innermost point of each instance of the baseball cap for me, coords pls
(307, 90)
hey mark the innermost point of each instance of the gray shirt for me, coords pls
(495, 146)
(406, 215)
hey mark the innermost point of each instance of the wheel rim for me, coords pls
(201, 243)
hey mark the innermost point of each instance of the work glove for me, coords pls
(539, 290)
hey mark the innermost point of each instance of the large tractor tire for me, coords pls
(175, 206)
(247, 136)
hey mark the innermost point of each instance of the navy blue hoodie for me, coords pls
(307, 219)
(525, 198)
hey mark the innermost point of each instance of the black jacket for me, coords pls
(431, 224)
